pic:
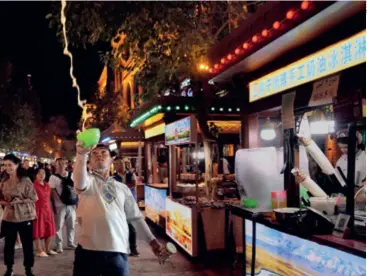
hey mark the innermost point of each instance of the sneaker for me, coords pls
(59, 249)
(9, 272)
(18, 246)
(41, 254)
(51, 253)
(72, 246)
(134, 252)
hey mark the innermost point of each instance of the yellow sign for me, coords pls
(337, 57)
(131, 144)
(155, 131)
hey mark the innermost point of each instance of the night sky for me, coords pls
(33, 48)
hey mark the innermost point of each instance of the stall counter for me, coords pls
(183, 227)
(273, 250)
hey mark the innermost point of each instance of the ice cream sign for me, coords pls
(181, 132)
(335, 58)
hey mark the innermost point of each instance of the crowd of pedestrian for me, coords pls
(37, 202)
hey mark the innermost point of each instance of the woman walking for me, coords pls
(18, 197)
(44, 226)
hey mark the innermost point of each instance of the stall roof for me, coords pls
(116, 132)
(304, 32)
(221, 109)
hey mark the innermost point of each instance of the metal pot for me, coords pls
(286, 215)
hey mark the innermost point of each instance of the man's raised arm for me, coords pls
(80, 169)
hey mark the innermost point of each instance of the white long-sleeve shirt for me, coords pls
(105, 207)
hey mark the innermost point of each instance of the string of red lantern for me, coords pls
(266, 33)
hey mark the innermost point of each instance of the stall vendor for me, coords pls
(360, 171)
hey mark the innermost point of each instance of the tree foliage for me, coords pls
(17, 118)
(164, 40)
(107, 109)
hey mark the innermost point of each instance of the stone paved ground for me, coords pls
(145, 265)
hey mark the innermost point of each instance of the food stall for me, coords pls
(193, 210)
(291, 103)
(128, 143)
(151, 118)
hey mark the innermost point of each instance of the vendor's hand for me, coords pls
(80, 149)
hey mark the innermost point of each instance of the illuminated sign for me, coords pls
(155, 131)
(337, 57)
(279, 253)
(181, 132)
(179, 225)
(155, 204)
(131, 144)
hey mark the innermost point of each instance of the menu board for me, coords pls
(181, 132)
(179, 225)
(155, 205)
(278, 253)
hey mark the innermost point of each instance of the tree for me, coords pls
(18, 127)
(17, 116)
(51, 137)
(164, 39)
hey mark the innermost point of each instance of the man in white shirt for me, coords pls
(64, 214)
(104, 210)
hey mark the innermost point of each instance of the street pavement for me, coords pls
(144, 265)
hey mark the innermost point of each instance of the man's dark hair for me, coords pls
(103, 146)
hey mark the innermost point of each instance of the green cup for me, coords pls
(89, 137)
(249, 203)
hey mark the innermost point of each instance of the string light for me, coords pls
(265, 33)
(291, 14)
(276, 25)
(305, 5)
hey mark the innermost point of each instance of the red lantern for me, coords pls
(223, 60)
(216, 66)
(229, 57)
(276, 25)
(255, 39)
(237, 51)
(305, 5)
(265, 33)
(245, 46)
(290, 14)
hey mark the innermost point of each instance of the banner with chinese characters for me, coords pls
(335, 58)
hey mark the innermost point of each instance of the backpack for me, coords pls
(68, 194)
